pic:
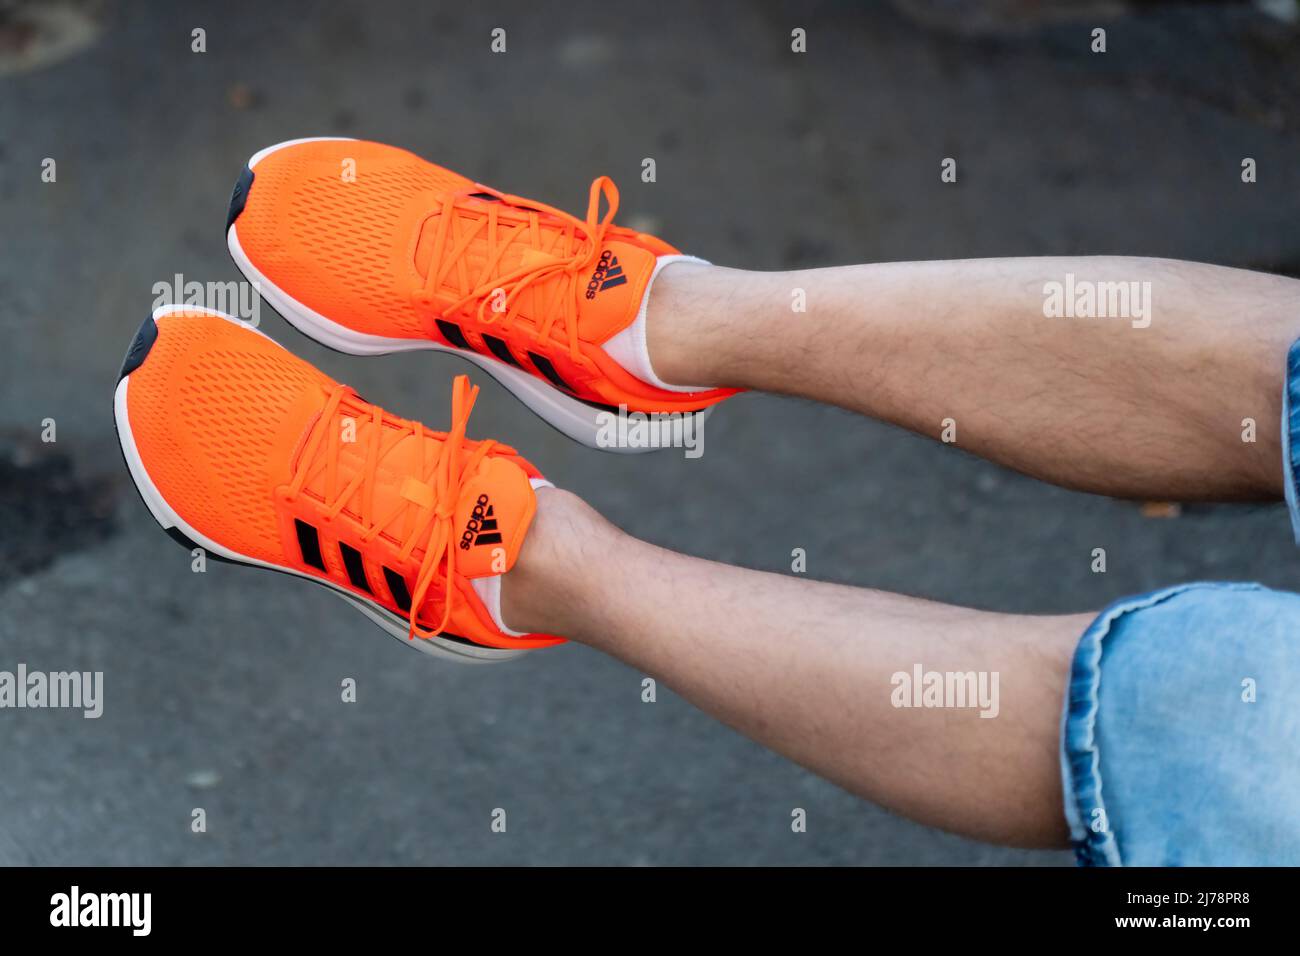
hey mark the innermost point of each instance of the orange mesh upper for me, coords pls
(335, 245)
(205, 409)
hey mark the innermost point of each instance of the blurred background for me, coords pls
(222, 689)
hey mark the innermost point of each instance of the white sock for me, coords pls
(628, 348)
(489, 589)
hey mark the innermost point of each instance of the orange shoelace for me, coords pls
(431, 497)
(572, 251)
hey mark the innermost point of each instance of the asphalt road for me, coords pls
(222, 690)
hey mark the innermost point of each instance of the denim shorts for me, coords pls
(1180, 737)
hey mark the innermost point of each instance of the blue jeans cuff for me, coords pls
(1291, 437)
(1180, 730)
(1085, 810)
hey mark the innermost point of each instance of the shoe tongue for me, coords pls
(475, 255)
(493, 510)
(611, 288)
(614, 287)
(408, 456)
(496, 506)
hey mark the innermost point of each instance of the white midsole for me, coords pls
(167, 517)
(261, 154)
(577, 420)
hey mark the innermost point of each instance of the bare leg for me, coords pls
(1090, 403)
(805, 668)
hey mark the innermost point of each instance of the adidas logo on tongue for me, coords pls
(608, 274)
(481, 528)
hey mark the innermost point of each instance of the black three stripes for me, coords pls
(353, 564)
(502, 351)
(456, 336)
(543, 365)
(397, 584)
(309, 544)
(356, 568)
(452, 333)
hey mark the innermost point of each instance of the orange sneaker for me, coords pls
(243, 449)
(369, 249)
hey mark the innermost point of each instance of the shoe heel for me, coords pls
(144, 339)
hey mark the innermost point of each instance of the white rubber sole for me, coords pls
(167, 518)
(573, 418)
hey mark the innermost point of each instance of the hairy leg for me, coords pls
(1095, 404)
(805, 668)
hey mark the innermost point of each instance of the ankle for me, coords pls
(677, 319)
(560, 556)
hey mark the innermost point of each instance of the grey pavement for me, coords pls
(222, 689)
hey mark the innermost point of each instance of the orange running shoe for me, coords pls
(243, 449)
(369, 249)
